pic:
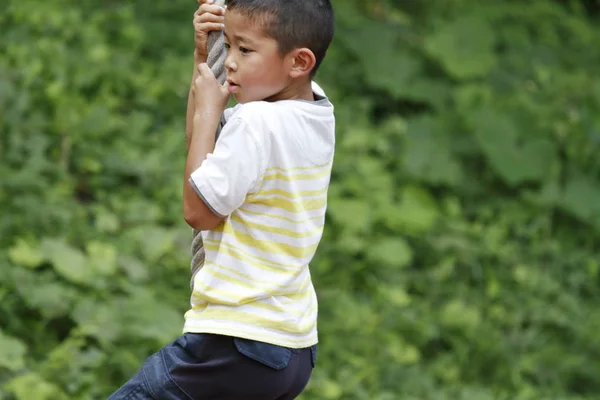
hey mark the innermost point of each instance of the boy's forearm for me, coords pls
(202, 142)
(188, 118)
(190, 105)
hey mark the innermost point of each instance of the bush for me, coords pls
(461, 255)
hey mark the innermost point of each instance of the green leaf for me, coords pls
(351, 215)
(33, 386)
(106, 221)
(428, 153)
(386, 64)
(392, 252)
(12, 353)
(68, 261)
(581, 198)
(416, 213)
(456, 314)
(140, 313)
(394, 294)
(464, 46)
(403, 353)
(133, 316)
(154, 241)
(67, 360)
(52, 299)
(548, 195)
(101, 320)
(351, 243)
(357, 138)
(331, 390)
(135, 269)
(25, 254)
(498, 136)
(102, 258)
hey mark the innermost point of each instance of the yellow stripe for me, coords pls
(258, 304)
(279, 231)
(295, 297)
(280, 217)
(285, 300)
(226, 330)
(290, 195)
(272, 289)
(299, 168)
(207, 299)
(292, 206)
(241, 255)
(297, 177)
(246, 259)
(268, 246)
(259, 320)
(206, 294)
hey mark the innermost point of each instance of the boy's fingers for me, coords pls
(210, 9)
(209, 26)
(207, 17)
(225, 88)
(205, 71)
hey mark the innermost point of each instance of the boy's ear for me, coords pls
(303, 61)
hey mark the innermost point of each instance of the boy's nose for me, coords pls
(230, 64)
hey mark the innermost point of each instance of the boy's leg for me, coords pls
(203, 366)
(152, 382)
(133, 389)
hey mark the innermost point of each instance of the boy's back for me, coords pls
(255, 282)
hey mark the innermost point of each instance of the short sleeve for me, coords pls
(231, 171)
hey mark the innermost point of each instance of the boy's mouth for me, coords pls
(233, 87)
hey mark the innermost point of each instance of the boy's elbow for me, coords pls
(202, 220)
(196, 213)
(193, 222)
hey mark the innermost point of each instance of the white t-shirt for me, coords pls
(268, 176)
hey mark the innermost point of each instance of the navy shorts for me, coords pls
(214, 367)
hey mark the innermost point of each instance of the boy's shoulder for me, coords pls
(253, 116)
(250, 110)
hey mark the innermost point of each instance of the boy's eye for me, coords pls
(226, 46)
(244, 50)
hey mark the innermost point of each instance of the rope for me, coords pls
(216, 51)
(216, 62)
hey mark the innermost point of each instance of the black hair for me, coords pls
(293, 23)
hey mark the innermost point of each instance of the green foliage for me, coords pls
(461, 256)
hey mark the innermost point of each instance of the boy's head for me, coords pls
(273, 44)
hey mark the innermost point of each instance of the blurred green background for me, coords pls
(461, 256)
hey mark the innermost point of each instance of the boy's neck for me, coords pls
(296, 90)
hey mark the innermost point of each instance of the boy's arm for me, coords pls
(189, 117)
(196, 212)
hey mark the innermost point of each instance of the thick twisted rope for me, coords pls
(216, 62)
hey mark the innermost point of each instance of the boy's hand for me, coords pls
(207, 18)
(210, 97)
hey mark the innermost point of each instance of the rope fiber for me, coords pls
(216, 62)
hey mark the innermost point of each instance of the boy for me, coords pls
(258, 194)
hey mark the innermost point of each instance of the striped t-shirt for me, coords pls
(268, 176)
